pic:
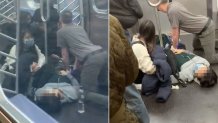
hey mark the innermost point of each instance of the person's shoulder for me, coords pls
(61, 30)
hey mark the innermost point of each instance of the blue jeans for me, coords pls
(136, 104)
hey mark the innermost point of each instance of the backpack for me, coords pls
(167, 42)
(171, 60)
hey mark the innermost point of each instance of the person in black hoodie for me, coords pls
(126, 11)
(52, 27)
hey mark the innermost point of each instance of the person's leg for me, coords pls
(89, 77)
(197, 47)
(25, 60)
(135, 103)
(208, 43)
(196, 43)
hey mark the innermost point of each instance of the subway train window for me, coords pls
(54, 61)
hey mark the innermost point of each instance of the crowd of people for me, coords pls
(130, 54)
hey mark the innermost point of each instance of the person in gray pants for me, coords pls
(202, 26)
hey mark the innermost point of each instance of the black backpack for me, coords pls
(171, 59)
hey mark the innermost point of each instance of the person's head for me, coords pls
(147, 33)
(26, 38)
(66, 17)
(163, 6)
(206, 76)
(25, 17)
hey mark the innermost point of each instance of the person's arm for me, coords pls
(179, 51)
(175, 36)
(65, 55)
(41, 57)
(144, 60)
(61, 42)
(12, 53)
(174, 22)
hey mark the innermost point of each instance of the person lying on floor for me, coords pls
(152, 62)
(194, 68)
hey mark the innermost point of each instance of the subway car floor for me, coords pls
(191, 104)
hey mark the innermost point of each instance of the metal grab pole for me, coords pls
(155, 3)
(17, 45)
(45, 25)
(159, 27)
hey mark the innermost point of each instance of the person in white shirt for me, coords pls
(30, 59)
(146, 37)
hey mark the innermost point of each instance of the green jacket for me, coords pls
(183, 58)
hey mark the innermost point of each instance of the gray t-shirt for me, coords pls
(76, 40)
(180, 17)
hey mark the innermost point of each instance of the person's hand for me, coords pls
(35, 67)
(63, 72)
(135, 37)
(173, 49)
(179, 51)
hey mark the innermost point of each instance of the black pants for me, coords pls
(25, 61)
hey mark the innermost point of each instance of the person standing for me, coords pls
(202, 26)
(128, 13)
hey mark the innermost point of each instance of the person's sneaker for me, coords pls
(138, 86)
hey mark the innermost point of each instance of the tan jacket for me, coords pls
(123, 71)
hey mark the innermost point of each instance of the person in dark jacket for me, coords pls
(52, 28)
(152, 62)
(126, 11)
(159, 82)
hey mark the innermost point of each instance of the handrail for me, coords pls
(79, 7)
(7, 55)
(8, 37)
(42, 9)
(101, 13)
(157, 19)
(154, 4)
(67, 6)
(6, 5)
(9, 91)
(5, 17)
(97, 10)
(45, 25)
(17, 45)
(7, 73)
(12, 110)
(2, 2)
(8, 10)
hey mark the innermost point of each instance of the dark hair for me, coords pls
(209, 79)
(24, 17)
(147, 31)
(66, 17)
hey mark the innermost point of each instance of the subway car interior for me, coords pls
(190, 104)
(30, 106)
